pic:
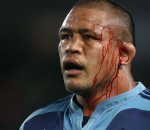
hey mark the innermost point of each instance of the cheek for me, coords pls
(94, 61)
(60, 50)
(104, 63)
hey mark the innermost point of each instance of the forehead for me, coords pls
(86, 18)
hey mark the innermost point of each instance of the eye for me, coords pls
(91, 37)
(88, 37)
(65, 36)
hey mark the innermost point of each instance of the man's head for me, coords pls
(95, 38)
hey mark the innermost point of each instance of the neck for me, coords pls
(122, 83)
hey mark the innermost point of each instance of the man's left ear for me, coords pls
(127, 53)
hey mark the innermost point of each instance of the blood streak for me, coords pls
(109, 49)
(103, 56)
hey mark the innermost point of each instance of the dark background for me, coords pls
(30, 75)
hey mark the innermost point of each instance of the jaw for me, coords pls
(78, 84)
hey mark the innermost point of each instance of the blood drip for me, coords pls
(107, 49)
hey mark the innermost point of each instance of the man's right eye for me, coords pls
(65, 37)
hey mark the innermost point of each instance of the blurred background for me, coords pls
(30, 75)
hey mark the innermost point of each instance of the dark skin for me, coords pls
(89, 39)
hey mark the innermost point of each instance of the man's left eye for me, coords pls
(88, 37)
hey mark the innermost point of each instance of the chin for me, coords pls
(82, 91)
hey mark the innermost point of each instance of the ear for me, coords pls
(127, 52)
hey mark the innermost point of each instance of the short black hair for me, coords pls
(119, 12)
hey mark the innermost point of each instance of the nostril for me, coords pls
(72, 50)
(74, 46)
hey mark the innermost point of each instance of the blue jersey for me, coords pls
(127, 111)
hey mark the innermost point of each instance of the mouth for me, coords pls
(72, 67)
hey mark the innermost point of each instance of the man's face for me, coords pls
(87, 49)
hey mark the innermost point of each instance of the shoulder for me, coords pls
(126, 120)
(58, 106)
(136, 111)
(143, 100)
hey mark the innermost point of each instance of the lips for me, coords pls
(72, 67)
(71, 64)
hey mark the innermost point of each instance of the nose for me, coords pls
(75, 45)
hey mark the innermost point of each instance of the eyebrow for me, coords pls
(70, 30)
(65, 29)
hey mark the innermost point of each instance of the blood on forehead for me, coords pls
(83, 26)
(77, 24)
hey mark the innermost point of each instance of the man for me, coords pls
(96, 49)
